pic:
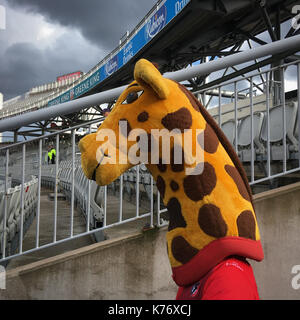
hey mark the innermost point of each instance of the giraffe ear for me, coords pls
(147, 75)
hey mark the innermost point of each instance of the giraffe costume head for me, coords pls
(211, 213)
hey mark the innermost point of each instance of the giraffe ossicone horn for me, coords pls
(147, 75)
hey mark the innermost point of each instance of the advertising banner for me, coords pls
(152, 26)
(69, 75)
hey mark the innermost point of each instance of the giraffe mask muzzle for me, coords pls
(99, 163)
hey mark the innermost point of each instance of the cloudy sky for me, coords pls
(44, 39)
(47, 38)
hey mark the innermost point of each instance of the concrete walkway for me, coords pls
(129, 211)
(47, 229)
(79, 226)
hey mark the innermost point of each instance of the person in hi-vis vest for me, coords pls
(51, 154)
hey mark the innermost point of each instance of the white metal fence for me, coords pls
(17, 208)
(264, 125)
(26, 160)
(260, 118)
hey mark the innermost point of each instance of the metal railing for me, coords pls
(264, 129)
(17, 208)
(260, 150)
(64, 176)
(268, 123)
(286, 46)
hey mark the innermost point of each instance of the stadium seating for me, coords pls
(260, 130)
(229, 130)
(244, 136)
(277, 130)
(36, 98)
(14, 211)
(81, 187)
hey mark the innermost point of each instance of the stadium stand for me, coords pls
(35, 98)
(11, 217)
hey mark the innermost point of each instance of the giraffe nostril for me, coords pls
(95, 171)
(94, 175)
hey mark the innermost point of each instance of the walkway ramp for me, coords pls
(46, 232)
(79, 226)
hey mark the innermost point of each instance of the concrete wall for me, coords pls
(133, 267)
(278, 214)
(137, 267)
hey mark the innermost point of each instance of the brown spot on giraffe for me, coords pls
(221, 136)
(180, 119)
(174, 185)
(161, 185)
(182, 251)
(162, 167)
(198, 186)
(246, 225)
(210, 140)
(211, 221)
(179, 166)
(234, 174)
(176, 217)
(143, 116)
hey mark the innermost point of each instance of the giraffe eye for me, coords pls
(132, 96)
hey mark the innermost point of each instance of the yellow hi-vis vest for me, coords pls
(51, 153)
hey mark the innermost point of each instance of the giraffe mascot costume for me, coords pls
(212, 224)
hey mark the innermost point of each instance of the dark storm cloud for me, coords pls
(20, 65)
(102, 22)
(25, 65)
(92, 29)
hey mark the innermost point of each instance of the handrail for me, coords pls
(24, 159)
(291, 44)
(53, 134)
(252, 75)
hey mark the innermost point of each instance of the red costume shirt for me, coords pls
(231, 279)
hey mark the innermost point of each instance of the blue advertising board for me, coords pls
(156, 22)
